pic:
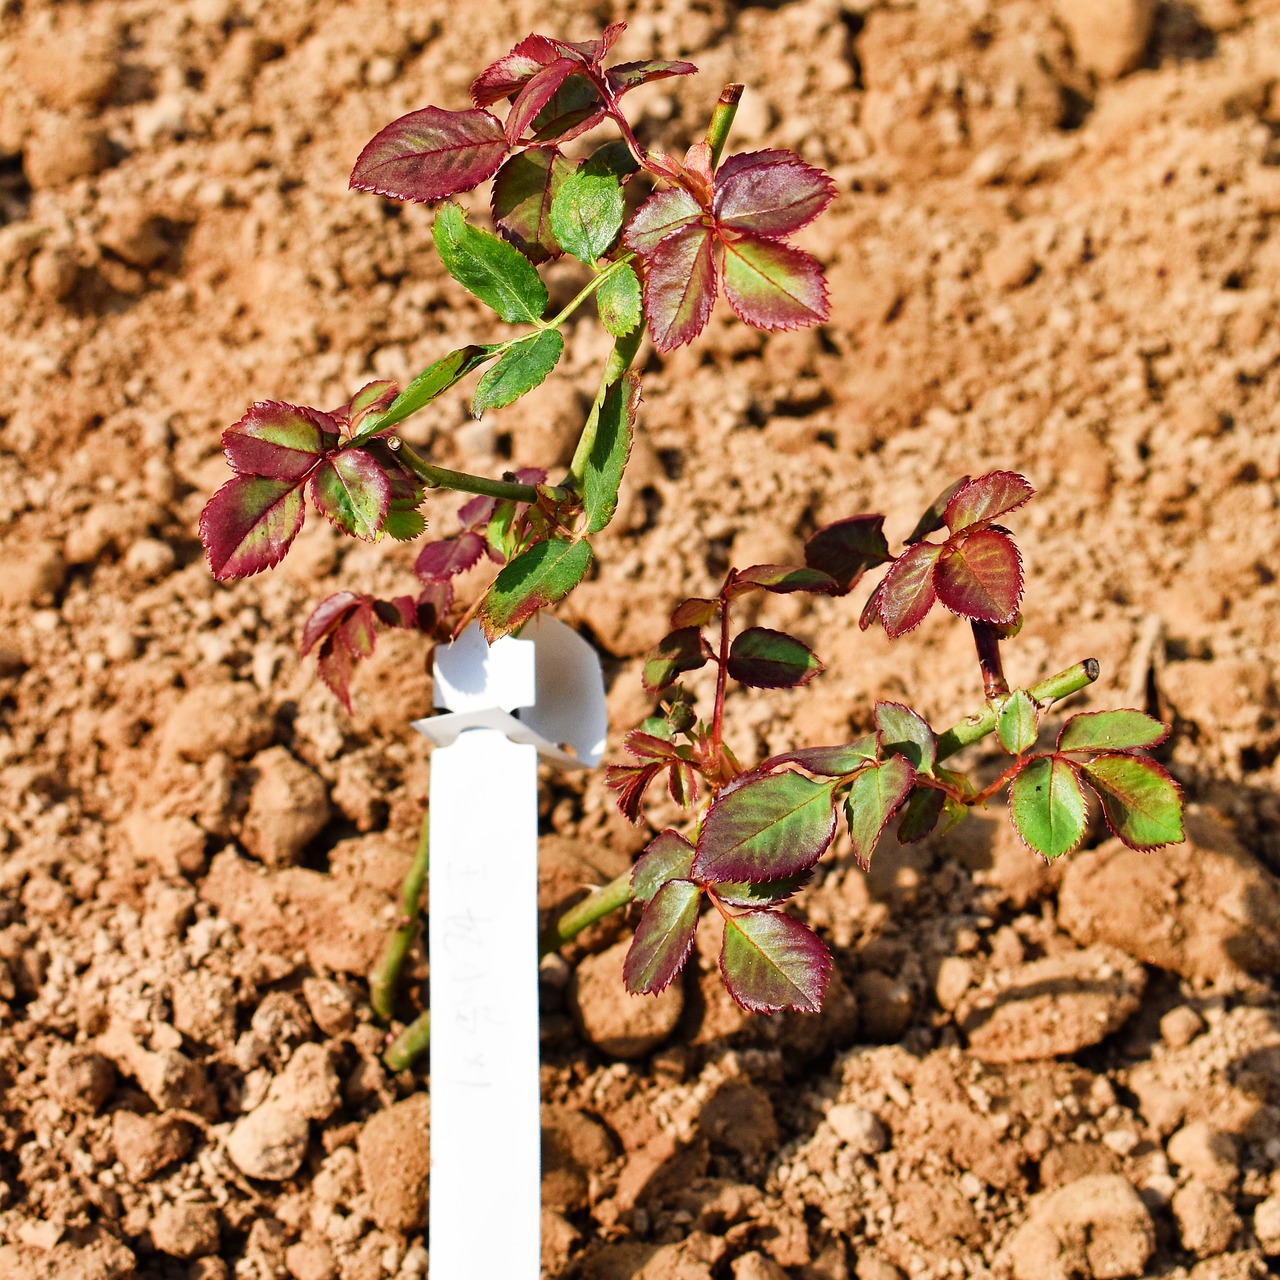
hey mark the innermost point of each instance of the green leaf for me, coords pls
(500, 533)
(1047, 806)
(523, 366)
(1018, 723)
(765, 659)
(542, 575)
(618, 301)
(610, 449)
(1141, 802)
(770, 962)
(874, 797)
(764, 893)
(903, 733)
(676, 653)
(1111, 731)
(669, 856)
(664, 937)
(766, 829)
(431, 383)
(353, 492)
(496, 272)
(782, 579)
(586, 213)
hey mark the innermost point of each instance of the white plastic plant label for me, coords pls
(540, 695)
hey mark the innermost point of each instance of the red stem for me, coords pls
(722, 669)
(994, 685)
(1011, 772)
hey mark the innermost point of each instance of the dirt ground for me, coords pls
(1055, 249)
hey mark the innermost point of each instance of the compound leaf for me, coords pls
(771, 961)
(1018, 723)
(248, 524)
(430, 154)
(586, 214)
(986, 498)
(521, 202)
(278, 441)
(353, 492)
(773, 286)
(664, 937)
(610, 449)
(903, 733)
(770, 193)
(766, 659)
(495, 271)
(1047, 806)
(766, 829)
(907, 593)
(542, 575)
(521, 367)
(1123, 730)
(619, 301)
(1141, 802)
(669, 856)
(677, 652)
(875, 796)
(979, 576)
(847, 549)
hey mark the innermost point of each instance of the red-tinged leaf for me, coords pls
(449, 557)
(352, 492)
(1123, 730)
(631, 781)
(510, 73)
(765, 659)
(431, 154)
(903, 733)
(575, 107)
(400, 611)
(767, 829)
(920, 814)
(986, 498)
(630, 75)
(697, 165)
(279, 441)
(326, 617)
(664, 166)
(771, 962)
(847, 549)
(1140, 801)
(541, 576)
(770, 193)
(592, 51)
(675, 654)
(648, 746)
(680, 288)
(682, 784)
(668, 856)
(373, 398)
(831, 762)
(907, 592)
(979, 576)
(1047, 806)
(248, 524)
(875, 796)
(697, 611)
(773, 286)
(538, 91)
(664, 938)
(335, 665)
(522, 193)
(934, 518)
(476, 513)
(766, 893)
(661, 215)
(782, 579)
(433, 605)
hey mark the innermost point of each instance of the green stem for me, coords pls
(588, 289)
(410, 1044)
(444, 478)
(386, 978)
(722, 121)
(608, 898)
(976, 727)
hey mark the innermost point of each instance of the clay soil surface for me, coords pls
(1055, 249)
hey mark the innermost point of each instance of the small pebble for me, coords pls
(859, 1129)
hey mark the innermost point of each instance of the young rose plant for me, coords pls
(654, 266)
